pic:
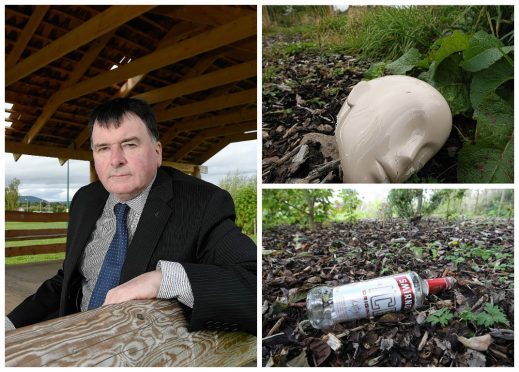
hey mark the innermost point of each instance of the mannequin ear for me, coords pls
(357, 92)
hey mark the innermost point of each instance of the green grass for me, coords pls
(34, 225)
(376, 33)
(35, 258)
(21, 243)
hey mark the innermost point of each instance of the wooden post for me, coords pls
(93, 173)
(196, 172)
(141, 333)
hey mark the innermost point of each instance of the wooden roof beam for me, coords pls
(221, 144)
(199, 68)
(206, 14)
(97, 26)
(209, 122)
(54, 102)
(207, 81)
(26, 34)
(209, 133)
(173, 36)
(208, 105)
(217, 37)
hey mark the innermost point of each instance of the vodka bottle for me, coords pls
(327, 306)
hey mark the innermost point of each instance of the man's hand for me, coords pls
(142, 287)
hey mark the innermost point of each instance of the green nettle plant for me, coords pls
(475, 75)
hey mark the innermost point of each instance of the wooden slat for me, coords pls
(209, 133)
(209, 122)
(13, 216)
(211, 104)
(200, 83)
(31, 250)
(145, 333)
(26, 34)
(207, 15)
(79, 69)
(28, 234)
(97, 26)
(217, 37)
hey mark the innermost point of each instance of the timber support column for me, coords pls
(196, 172)
(93, 173)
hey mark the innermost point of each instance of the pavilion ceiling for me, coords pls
(196, 65)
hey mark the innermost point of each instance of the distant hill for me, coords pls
(31, 199)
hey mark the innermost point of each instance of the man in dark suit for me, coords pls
(145, 231)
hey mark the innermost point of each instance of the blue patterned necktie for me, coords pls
(111, 270)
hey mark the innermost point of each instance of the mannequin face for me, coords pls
(389, 127)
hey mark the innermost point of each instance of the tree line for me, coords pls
(307, 207)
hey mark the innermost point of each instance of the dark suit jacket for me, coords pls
(185, 220)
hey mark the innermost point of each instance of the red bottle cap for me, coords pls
(440, 284)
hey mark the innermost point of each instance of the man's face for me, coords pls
(389, 128)
(126, 158)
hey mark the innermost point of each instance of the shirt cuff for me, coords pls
(175, 283)
(9, 326)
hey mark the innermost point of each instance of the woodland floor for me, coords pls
(478, 253)
(303, 91)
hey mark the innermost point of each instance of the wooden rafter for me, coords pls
(211, 104)
(25, 36)
(209, 122)
(209, 133)
(110, 19)
(221, 77)
(212, 39)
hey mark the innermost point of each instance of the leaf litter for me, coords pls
(295, 260)
(303, 92)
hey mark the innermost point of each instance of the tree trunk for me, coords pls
(419, 207)
(310, 202)
(500, 206)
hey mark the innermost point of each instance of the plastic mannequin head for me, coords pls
(389, 127)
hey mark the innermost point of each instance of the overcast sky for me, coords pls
(46, 179)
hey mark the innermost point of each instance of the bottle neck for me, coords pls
(439, 284)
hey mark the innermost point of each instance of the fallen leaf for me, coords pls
(479, 343)
(299, 361)
(473, 358)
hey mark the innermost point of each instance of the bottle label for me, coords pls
(373, 297)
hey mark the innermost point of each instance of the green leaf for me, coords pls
(405, 63)
(467, 315)
(488, 80)
(497, 315)
(485, 59)
(448, 45)
(495, 118)
(480, 164)
(490, 316)
(375, 70)
(478, 43)
(451, 81)
(440, 317)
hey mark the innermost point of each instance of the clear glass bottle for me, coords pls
(329, 305)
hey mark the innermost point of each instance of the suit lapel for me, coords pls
(155, 216)
(91, 212)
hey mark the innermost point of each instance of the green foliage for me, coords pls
(350, 202)
(289, 206)
(12, 195)
(490, 316)
(245, 201)
(444, 202)
(401, 201)
(244, 194)
(441, 317)
(471, 71)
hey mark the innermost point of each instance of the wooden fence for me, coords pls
(135, 333)
(32, 234)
